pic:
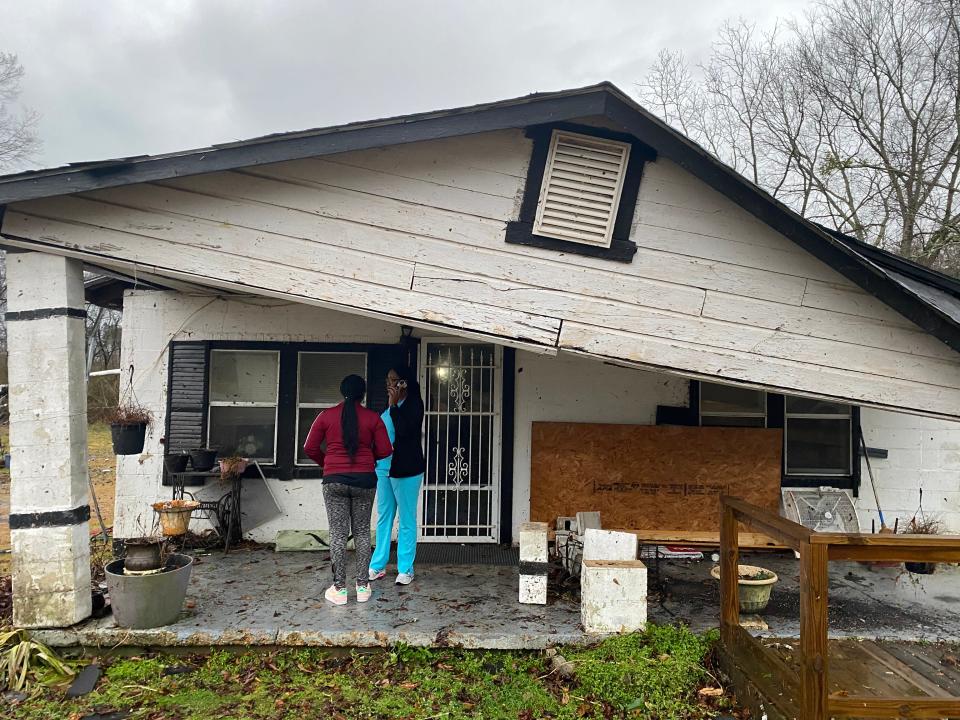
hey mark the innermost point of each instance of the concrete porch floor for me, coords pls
(258, 597)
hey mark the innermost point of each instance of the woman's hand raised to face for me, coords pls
(393, 395)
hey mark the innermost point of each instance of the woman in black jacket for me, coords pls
(399, 476)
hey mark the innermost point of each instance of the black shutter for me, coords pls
(187, 396)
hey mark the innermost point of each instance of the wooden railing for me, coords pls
(767, 670)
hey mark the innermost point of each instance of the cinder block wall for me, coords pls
(923, 453)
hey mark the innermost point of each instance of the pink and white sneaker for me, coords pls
(363, 593)
(376, 574)
(335, 596)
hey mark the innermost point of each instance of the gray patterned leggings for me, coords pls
(349, 506)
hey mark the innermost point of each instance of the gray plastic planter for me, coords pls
(148, 601)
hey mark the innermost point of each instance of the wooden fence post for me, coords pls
(813, 631)
(729, 574)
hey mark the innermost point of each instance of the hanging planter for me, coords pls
(129, 422)
(128, 439)
(175, 515)
(921, 524)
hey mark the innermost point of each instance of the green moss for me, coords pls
(650, 675)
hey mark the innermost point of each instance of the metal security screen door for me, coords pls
(460, 499)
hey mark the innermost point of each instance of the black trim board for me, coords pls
(50, 518)
(45, 313)
(507, 429)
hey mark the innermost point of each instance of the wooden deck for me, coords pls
(874, 668)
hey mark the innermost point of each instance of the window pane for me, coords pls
(808, 406)
(306, 417)
(732, 421)
(243, 376)
(460, 354)
(246, 431)
(730, 399)
(321, 374)
(818, 447)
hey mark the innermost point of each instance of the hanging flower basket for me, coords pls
(129, 422)
(128, 439)
(175, 515)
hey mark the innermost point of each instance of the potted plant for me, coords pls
(143, 554)
(203, 459)
(175, 515)
(176, 462)
(754, 585)
(128, 428)
(920, 525)
(148, 585)
(231, 467)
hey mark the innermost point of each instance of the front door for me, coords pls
(460, 499)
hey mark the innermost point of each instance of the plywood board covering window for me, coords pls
(581, 188)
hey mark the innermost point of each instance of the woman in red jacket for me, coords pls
(356, 438)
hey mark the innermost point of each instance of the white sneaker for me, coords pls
(376, 574)
(335, 596)
(404, 579)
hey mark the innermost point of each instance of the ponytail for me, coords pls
(353, 388)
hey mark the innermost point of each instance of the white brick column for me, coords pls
(49, 511)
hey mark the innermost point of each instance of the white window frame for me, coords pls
(241, 403)
(732, 414)
(318, 406)
(787, 416)
(548, 171)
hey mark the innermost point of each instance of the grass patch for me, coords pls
(655, 674)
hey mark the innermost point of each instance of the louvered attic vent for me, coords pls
(581, 188)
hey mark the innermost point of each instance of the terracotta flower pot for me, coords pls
(175, 515)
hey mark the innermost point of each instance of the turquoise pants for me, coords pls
(397, 495)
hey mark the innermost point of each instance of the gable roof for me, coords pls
(929, 299)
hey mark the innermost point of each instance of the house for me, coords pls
(582, 289)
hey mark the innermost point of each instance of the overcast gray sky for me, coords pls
(126, 77)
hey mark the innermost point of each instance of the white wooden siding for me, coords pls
(417, 231)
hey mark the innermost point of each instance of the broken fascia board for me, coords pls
(128, 266)
(688, 375)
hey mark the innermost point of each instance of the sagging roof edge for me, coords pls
(28, 244)
(604, 99)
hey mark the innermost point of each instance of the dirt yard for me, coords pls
(102, 463)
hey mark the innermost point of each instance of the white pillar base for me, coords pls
(51, 575)
(533, 563)
(613, 596)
